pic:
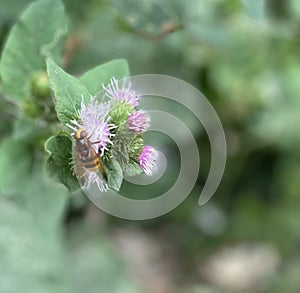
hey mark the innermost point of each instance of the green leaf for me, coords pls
(59, 162)
(45, 199)
(114, 174)
(7, 115)
(255, 8)
(68, 92)
(38, 34)
(94, 78)
(94, 266)
(15, 166)
(29, 225)
(11, 9)
(31, 256)
(24, 129)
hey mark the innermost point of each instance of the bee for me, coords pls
(86, 154)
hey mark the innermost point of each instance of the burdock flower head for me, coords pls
(138, 121)
(147, 159)
(121, 94)
(93, 119)
(124, 101)
(107, 138)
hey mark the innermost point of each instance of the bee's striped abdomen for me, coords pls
(87, 154)
(92, 164)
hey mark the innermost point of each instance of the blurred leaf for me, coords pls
(23, 128)
(59, 162)
(295, 8)
(15, 165)
(255, 8)
(36, 35)
(10, 10)
(114, 174)
(31, 256)
(31, 132)
(279, 121)
(68, 92)
(94, 265)
(7, 113)
(45, 199)
(94, 78)
(30, 248)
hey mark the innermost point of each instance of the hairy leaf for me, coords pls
(114, 174)
(31, 254)
(94, 78)
(59, 162)
(68, 92)
(37, 34)
(15, 166)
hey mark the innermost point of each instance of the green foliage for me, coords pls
(15, 165)
(255, 8)
(31, 255)
(242, 54)
(93, 262)
(37, 34)
(39, 85)
(68, 92)
(10, 10)
(114, 174)
(59, 163)
(39, 105)
(94, 78)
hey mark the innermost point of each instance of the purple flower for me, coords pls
(147, 159)
(123, 94)
(91, 178)
(93, 119)
(138, 121)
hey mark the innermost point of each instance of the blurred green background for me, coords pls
(244, 57)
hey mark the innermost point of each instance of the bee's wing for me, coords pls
(79, 168)
(102, 172)
(84, 176)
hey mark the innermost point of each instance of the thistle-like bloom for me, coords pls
(147, 159)
(93, 119)
(123, 94)
(138, 121)
(93, 177)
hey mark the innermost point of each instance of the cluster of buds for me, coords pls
(114, 127)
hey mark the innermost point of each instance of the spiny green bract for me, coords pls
(39, 104)
(119, 112)
(135, 148)
(39, 85)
